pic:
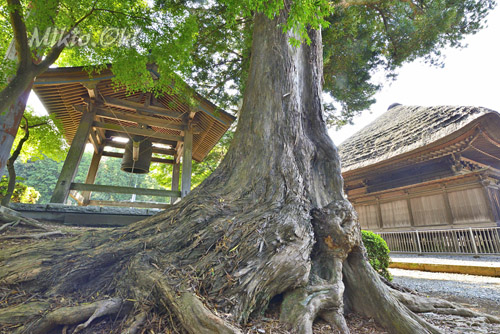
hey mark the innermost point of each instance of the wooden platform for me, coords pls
(84, 215)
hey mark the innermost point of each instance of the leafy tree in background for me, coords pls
(43, 174)
(162, 173)
(38, 138)
(272, 219)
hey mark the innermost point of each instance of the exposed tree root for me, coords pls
(82, 314)
(194, 316)
(8, 215)
(11, 224)
(136, 323)
(419, 304)
(34, 235)
(367, 295)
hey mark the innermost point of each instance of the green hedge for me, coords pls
(378, 253)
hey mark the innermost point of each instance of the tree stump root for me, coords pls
(420, 304)
(82, 316)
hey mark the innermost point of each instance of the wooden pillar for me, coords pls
(176, 169)
(410, 211)
(94, 166)
(68, 172)
(490, 203)
(379, 215)
(447, 206)
(187, 156)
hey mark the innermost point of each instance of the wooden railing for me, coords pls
(458, 241)
(75, 187)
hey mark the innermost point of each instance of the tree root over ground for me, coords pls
(12, 218)
(34, 235)
(145, 285)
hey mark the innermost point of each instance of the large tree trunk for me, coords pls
(272, 219)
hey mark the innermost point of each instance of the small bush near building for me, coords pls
(378, 253)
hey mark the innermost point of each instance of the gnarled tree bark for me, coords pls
(272, 219)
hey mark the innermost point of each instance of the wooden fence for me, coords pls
(457, 241)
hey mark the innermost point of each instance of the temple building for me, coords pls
(422, 168)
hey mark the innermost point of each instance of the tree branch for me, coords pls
(56, 49)
(20, 34)
(37, 125)
(348, 3)
(145, 18)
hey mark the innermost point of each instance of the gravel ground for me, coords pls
(480, 293)
(473, 289)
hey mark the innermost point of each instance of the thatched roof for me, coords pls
(404, 129)
(62, 90)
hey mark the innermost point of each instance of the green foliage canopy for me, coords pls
(22, 193)
(207, 43)
(45, 138)
(360, 37)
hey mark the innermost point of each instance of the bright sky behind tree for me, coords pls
(470, 76)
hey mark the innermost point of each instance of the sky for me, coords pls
(470, 76)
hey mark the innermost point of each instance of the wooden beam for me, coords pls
(94, 166)
(176, 169)
(76, 196)
(158, 150)
(91, 88)
(51, 76)
(137, 131)
(128, 204)
(95, 141)
(131, 105)
(124, 190)
(111, 133)
(447, 206)
(153, 159)
(140, 119)
(187, 157)
(73, 158)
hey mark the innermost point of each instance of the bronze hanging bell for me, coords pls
(137, 156)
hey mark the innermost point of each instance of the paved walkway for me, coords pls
(484, 265)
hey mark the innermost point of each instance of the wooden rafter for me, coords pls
(141, 119)
(153, 159)
(138, 107)
(137, 131)
(157, 150)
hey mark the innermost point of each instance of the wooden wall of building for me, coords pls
(454, 204)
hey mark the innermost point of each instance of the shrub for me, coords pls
(378, 253)
(22, 193)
